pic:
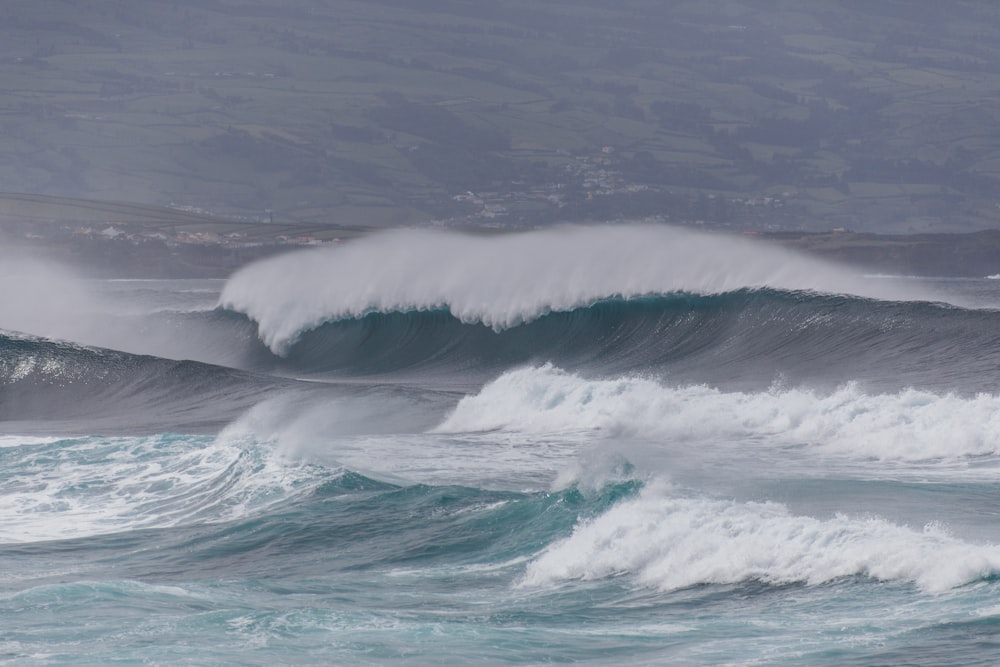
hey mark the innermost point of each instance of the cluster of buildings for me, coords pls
(182, 237)
(586, 179)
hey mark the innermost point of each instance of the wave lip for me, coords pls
(673, 543)
(504, 280)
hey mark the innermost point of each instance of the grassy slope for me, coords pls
(869, 115)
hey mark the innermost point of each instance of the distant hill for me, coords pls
(742, 114)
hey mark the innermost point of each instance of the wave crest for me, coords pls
(672, 543)
(910, 425)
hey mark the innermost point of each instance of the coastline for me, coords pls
(961, 255)
(122, 240)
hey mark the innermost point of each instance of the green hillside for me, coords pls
(876, 116)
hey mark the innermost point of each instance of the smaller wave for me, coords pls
(670, 543)
(739, 339)
(91, 592)
(910, 425)
(42, 379)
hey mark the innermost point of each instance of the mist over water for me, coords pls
(171, 319)
(40, 297)
(632, 445)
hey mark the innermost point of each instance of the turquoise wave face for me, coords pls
(746, 337)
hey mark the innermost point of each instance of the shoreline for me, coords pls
(164, 243)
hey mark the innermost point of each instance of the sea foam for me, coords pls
(80, 487)
(506, 279)
(670, 543)
(909, 425)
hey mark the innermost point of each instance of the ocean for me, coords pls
(611, 445)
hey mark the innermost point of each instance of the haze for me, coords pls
(746, 115)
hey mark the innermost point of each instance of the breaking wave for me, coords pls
(502, 281)
(909, 425)
(670, 543)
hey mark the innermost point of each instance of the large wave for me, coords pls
(79, 487)
(744, 337)
(504, 280)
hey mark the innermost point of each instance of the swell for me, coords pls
(743, 337)
(48, 380)
(465, 537)
(209, 508)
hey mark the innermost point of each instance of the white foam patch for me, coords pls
(670, 543)
(910, 425)
(44, 299)
(504, 280)
(26, 440)
(88, 486)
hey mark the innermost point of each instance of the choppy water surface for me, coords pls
(624, 445)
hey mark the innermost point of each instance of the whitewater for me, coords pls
(624, 444)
